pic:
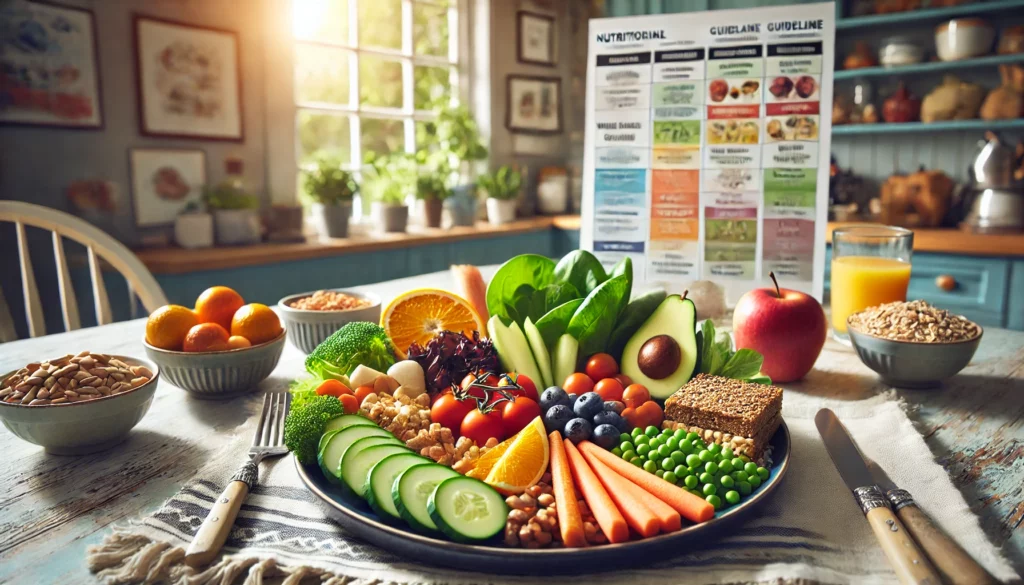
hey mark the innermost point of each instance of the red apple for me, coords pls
(786, 326)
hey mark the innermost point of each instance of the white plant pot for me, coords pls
(194, 230)
(237, 226)
(553, 195)
(501, 211)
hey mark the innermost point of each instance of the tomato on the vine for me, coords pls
(471, 384)
(526, 388)
(481, 426)
(449, 411)
(517, 413)
(601, 366)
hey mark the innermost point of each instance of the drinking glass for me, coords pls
(870, 266)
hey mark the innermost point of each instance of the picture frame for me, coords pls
(534, 104)
(163, 182)
(535, 39)
(188, 80)
(59, 41)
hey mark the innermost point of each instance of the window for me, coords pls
(366, 72)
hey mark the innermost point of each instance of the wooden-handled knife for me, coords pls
(907, 559)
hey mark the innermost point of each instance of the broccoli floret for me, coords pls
(357, 343)
(305, 424)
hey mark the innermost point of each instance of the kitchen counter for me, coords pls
(954, 241)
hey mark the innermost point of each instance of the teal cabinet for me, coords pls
(1015, 306)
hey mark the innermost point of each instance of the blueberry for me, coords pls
(572, 401)
(606, 436)
(588, 405)
(578, 429)
(614, 406)
(553, 396)
(557, 417)
(610, 418)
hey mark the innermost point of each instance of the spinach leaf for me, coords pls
(624, 267)
(711, 360)
(581, 269)
(761, 379)
(744, 364)
(633, 316)
(527, 302)
(559, 293)
(554, 323)
(532, 269)
(592, 323)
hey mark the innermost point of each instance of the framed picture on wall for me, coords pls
(534, 104)
(189, 80)
(164, 181)
(535, 38)
(48, 71)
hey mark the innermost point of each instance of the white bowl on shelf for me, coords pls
(963, 38)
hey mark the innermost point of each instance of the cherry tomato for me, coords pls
(481, 426)
(448, 411)
(609, 389)
(632, 418)
(635, 395)
(650, 414)
(600, 366)
(623, 379)
(578, 384)
(517, 413)
(362, 392)
(350, 403)
(475, 390)
(332, 387)
(528, 387)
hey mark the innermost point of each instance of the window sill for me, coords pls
(181, 261)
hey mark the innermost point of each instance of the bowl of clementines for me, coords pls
(221, 348)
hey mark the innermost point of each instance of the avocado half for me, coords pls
(662, 354)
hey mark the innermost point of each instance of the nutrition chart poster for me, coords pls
(707, 145)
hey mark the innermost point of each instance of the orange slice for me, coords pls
(485, 463)
(418, 315)
(524, 463)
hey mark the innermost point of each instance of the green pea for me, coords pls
(727, 453)
(715, 448)
(706, 478)
(681, 471)
(670, 477)
(744, 487)
(672, 443)
(664, 451)
(699, 445)
(727, 482)
(680, 434)
(763, 473)
(629, 455)
(686, 447)
(616, 451)
(643, 450)
(709, 489)
(755, 481)
(627, 446)
(715, 501)
(657, 442)
(726, 466)
(625, 437)
(679, 457)
(651, 431)
(737, 463)
(750, 468)
(711, 467)
(705, 455)
(691, 436)
(650, 466)
(745, 458)
(732, 496)
(690, 481)
(636, 432)
(642, 440)
(718, 478)
(659, 472)
(739, 475)
(692, 460)
(667, 464)
(637, 461)
(666, 433)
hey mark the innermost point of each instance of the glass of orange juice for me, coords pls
(870, 266)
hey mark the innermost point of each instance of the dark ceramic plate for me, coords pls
(362, 522)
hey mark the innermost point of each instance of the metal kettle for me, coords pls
(994, 165)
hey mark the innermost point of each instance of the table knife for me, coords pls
(950, 559)
(907, 559)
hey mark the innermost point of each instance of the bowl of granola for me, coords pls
(912, 344)
(312, 317)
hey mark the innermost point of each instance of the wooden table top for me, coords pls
(52, 507)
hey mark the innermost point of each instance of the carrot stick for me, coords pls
(688, 505)
(471, 287)
(605, 512)
(569, 520)
(629, 496)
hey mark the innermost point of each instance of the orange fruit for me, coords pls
(485, 463)
(217, 305)
(256, 322)
(238, 342)
(418, 315)
(168, 326)
(524, 463)
(206, 337)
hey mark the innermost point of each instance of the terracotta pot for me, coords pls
(395, 218)
(501, 211)
(433, 208)
(331, 220)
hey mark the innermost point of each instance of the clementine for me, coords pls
(168, 326)
(217, 305)
(256, 322)
(206, 337)
(238, 342)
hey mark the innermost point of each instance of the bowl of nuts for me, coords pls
(913, 344)
(312, 317)
(77, 404)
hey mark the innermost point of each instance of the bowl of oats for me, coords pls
(912, 344)
(312, 317)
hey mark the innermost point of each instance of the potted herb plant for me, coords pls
(393, 179)
(331, 189)
(234, 214)
(456, 136)
(432, 191)
(193, 227)
(502, 188)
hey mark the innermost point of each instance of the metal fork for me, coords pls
(268, 442)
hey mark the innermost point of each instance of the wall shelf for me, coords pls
(929, 67)
(950, 126)
(936, 14)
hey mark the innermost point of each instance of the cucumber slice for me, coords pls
(347, 420)
(467, 509)
(540, 351)
(566, 350)
(357, 462)
(411, 491)
(377, 491)
(338, 442)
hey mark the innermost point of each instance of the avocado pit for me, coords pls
(659, 357)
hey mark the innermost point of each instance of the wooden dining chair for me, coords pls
(98, 244)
